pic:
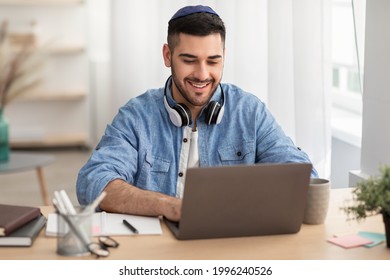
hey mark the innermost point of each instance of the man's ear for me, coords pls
(166, 55)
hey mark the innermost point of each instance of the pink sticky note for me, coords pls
(95, 230)
(349, 241)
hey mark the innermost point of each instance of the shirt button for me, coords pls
(181, 174)
(238, 154)
(185, 140)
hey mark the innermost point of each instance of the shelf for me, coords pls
(52, 96)
(51, 141)
(39, 2)
(55, 113)
(54, 50)
(65, 49)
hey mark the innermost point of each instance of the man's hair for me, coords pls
(197, 24)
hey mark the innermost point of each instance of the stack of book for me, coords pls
(20, 225)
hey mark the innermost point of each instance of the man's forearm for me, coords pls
(125, 198)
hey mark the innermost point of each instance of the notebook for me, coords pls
(25, 235)
(112, 224)
(243, 200)
(13, 217)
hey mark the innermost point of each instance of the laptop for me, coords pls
(242, 200)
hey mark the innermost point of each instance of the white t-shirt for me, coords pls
(189, 157)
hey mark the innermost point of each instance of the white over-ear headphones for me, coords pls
(180, 115)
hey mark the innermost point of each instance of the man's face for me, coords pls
(197, 65)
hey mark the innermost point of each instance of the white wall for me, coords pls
(375, 149)
(345, 157)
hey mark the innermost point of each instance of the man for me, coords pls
(194, 120)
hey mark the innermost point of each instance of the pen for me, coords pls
(127, 224)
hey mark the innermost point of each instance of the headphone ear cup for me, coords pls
(213, 111)
(184, 113)
(179, 114)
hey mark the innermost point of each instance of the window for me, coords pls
(348, 19)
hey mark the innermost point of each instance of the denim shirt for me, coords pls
(142, 146)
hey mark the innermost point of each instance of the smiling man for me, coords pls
(194, 120)
(197, 65)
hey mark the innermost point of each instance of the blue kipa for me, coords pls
(189, 10)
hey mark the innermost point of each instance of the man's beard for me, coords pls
(184, 93)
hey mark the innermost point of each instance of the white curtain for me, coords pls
(276, 49)
(299, 70)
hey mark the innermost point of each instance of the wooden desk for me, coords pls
(22, 161)
(310, 243)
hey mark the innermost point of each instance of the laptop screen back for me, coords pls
(244, 200)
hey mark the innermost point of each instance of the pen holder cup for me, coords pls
(74, 233)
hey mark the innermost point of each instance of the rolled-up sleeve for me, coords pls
(273, 145)
(115, 157)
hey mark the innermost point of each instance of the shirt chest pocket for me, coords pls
(154, 173)
(240, 153)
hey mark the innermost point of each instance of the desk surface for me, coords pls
(310, 243)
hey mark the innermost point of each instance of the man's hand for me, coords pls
(171, 208)
(124, 198)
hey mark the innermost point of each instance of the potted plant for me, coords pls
(371, 197)
(19, 65)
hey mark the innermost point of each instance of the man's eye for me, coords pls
(189, 61)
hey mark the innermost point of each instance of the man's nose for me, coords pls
(201, 72)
